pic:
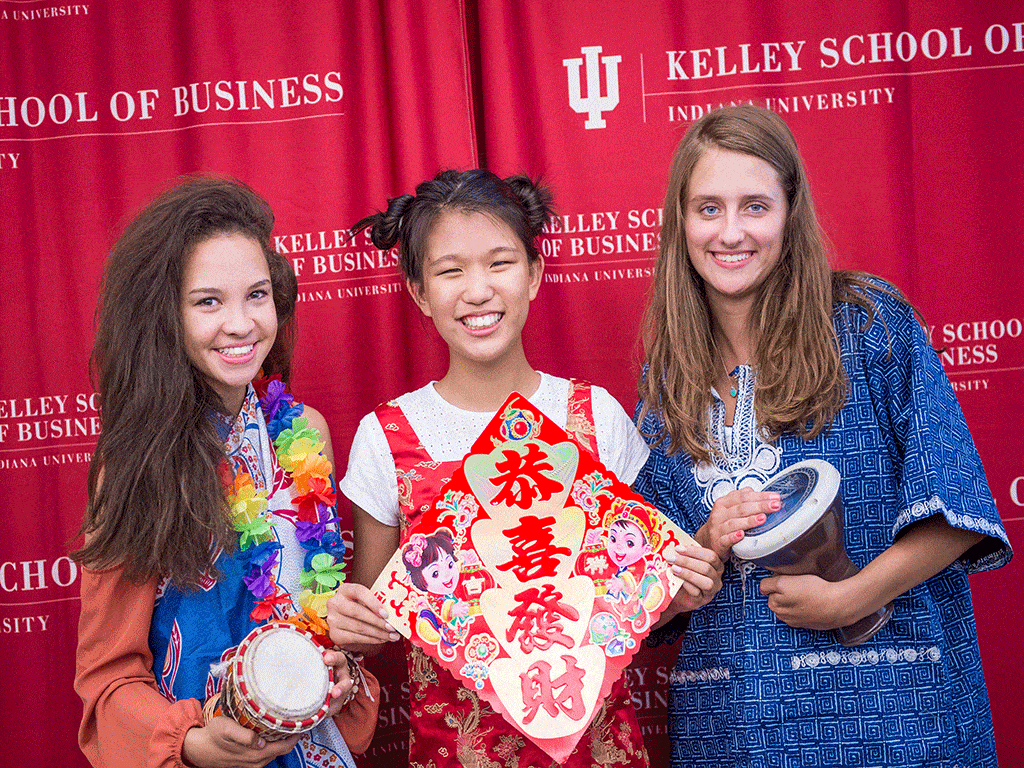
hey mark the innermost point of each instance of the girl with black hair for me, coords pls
(467, 248)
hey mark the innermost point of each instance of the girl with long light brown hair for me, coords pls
(758, 356)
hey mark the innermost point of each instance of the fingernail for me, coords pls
(775, 504)
(762, 518)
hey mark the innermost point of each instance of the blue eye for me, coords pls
(709, 210)
(758, 207)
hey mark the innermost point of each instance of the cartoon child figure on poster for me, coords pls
(442, 618)
(633, 590)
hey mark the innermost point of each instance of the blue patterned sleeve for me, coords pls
(657, 479)
(926, 434)
(655, 484)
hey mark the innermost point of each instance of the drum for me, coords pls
(276, 684)
(805, 536)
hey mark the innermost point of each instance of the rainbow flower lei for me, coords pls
(299, 452)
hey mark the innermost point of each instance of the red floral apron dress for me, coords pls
(449, 724)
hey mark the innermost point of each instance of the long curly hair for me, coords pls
(156, 500)
(800, 381)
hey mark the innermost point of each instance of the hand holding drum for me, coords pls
(277, 683)
(805, 536)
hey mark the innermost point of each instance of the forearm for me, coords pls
(355, 617)
(374, 543)
(924, 550)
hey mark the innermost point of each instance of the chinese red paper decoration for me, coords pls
(534, 576)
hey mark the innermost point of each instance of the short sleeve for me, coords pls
(938, 466)
(620, 446)
(370, 482)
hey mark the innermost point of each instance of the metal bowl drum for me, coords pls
(277, 683)
(805, 536)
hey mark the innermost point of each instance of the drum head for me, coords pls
(807, 489)
(285, 674)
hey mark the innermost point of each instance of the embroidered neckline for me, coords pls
(300, 454)
(744, 458)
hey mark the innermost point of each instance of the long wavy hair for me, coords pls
(522, 204)
(800, 381)
(156, 500)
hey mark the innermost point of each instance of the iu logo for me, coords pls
(594, 103)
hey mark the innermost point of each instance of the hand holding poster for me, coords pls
(534, 577)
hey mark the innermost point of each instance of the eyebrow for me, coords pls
(254, 286)
(457, 256)
(744, 198)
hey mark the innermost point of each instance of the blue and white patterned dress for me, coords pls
(748, 690)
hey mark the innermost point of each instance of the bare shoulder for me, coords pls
(318, 422)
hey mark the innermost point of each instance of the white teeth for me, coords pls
(476, 322)
(732, 258)
(236, 351)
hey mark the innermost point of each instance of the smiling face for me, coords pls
(735, 219)
(442, 575)
(626, 543)
(477, 287)
(228, 315)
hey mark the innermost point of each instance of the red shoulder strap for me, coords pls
(419, 477)
(407, 451)
(402, 439)
(580, 421)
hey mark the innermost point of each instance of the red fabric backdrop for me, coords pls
(908, 115)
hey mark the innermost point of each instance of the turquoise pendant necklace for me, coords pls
(734, 378)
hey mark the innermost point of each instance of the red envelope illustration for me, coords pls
(534, 577)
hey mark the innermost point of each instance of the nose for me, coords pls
(477, 288)
(732, 232)
(237, 319)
